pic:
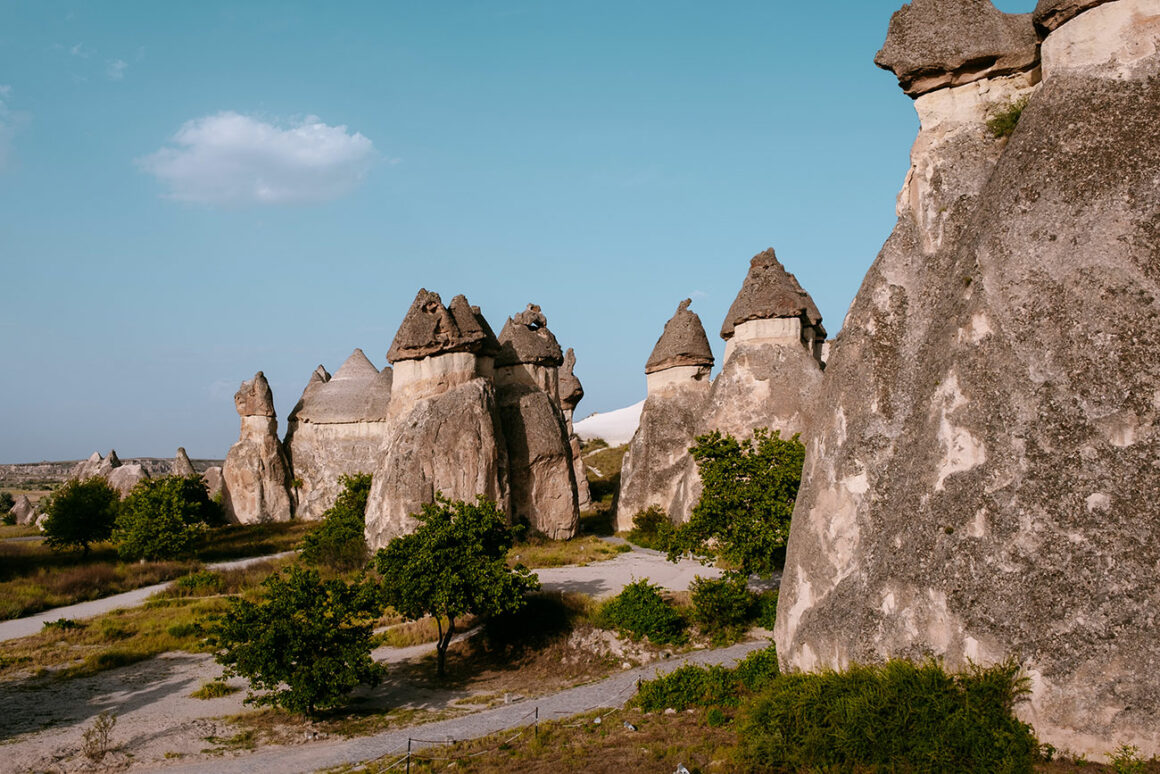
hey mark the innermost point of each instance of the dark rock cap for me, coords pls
(254, 398)
(474, 325)
(181, 464)
(431, 329)
(1050, 15)
(571, 391)
(683, 342)
(932, 44)
(112, 461)
(769, 291)
(525, 338)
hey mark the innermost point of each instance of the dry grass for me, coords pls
(18, 530)
(539, 552)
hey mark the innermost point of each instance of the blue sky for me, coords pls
(191, 192)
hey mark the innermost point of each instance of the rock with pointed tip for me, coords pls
(182, 465)
(254, 398)
(933, 44)
(526, 340)
(124, 477)
(683, 342)
(24, 510)
(256, 476)
(770, 292)
(430, 328)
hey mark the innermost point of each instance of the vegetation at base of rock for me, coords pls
(7, 503)
(306, 643)
(453, 565)
(164, 518)
(897, 716)
(712, 686)
(80, 513)
(1003, 121)
(652, 528)
(747, 498)
(640, 610)
(724, 608)
(339, 542)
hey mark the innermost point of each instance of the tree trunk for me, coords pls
(442, 645)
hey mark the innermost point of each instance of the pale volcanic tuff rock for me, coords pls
(443, 431)
(982, 482)
(937, 43)
(540, 454)
(124, 477)
(1050, 15)
(571, 393)
(24, 510)
(96, 465)
(655, 468)
(181, 464)
(256, 477)
(214, 483)
(337, 428)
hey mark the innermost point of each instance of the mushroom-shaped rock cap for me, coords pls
(936, 43)
(525, 338)
(683, 342)
(254, 398)
(473, 325)
(341, 398)
(181, 464)
(769, 291)
(1050, 15)
(571, 391)
(431, 329)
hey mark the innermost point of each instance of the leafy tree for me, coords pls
(80, 513)
(339, 541)
(7, 502)
(748, 489)
(163, 518)
(453, 565)
(306, 643)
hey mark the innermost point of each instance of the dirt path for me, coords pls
(23, 627)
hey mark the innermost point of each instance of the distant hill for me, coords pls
(56, 472)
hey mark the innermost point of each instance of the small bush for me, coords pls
(339, 541)
(1125, 759)
(651, 528)
(9, 519)
(767, 609)
(1003, 121)
(7, 503)
(96, 737)
(198, 584)
(183, 630)
(64, 624)
(80, 513)
(640, 611)
(215, 689)
(713, 686)
(894, 717)
(163, 518)
(722, 606)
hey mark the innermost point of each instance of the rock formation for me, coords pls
(24, 510)
(540, 454)
(96, 465)
(981, 484)
(571, 393)
(255, 477)
(124, 477)
(338, 428)
(443, 431)
(214, 483)
(655, 468)
(181, 464)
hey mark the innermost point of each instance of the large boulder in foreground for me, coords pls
(982, 484)
(255, 476)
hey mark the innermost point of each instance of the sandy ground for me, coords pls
(160, 726)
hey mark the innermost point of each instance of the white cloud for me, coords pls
(9, 122)
(80, 50)
(229, 158)
(115, 70)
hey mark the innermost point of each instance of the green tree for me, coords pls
(163, 518)
(80, 513)
(339, 541)
(7, 502)
(748, 489)
(453, 565)
(306, 643)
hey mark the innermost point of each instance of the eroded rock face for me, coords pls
(571, 393)
(96, 465)
(981, 484)
(449, 443)
(255, 476)
(24, 510)
(541, 461)
(337, 428)
(124, 477)
(214, 482)
(933, 44)
(1050, 15)
(181, 464)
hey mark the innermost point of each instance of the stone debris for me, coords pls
(256, 476)
(933, 44)
(980, 481)
(181, 464)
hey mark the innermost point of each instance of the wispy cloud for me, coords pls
(10, 122)
(115, 69)
(79, 50)
(232, 159)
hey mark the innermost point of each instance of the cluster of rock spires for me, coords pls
(981, 481)
(459, 411)
(771, 378)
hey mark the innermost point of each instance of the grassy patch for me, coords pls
(604, 465)
(18, 530)
(214, 689)
(238, 541)
(539, 552)
(1004, 119)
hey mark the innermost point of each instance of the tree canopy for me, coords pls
(339, 541)
(454, 565)
(80, 513)
(163, 518)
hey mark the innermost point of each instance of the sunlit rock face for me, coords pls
(255, 476)
(338, 428)
(980, 482)
(540, 453)
(571, 392)
(443, 431)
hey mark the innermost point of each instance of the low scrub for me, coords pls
(651, 528)
(338, 542)
(640, 611)
(897, 716)
(710, 687)
(538, 552)
(215, 689)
